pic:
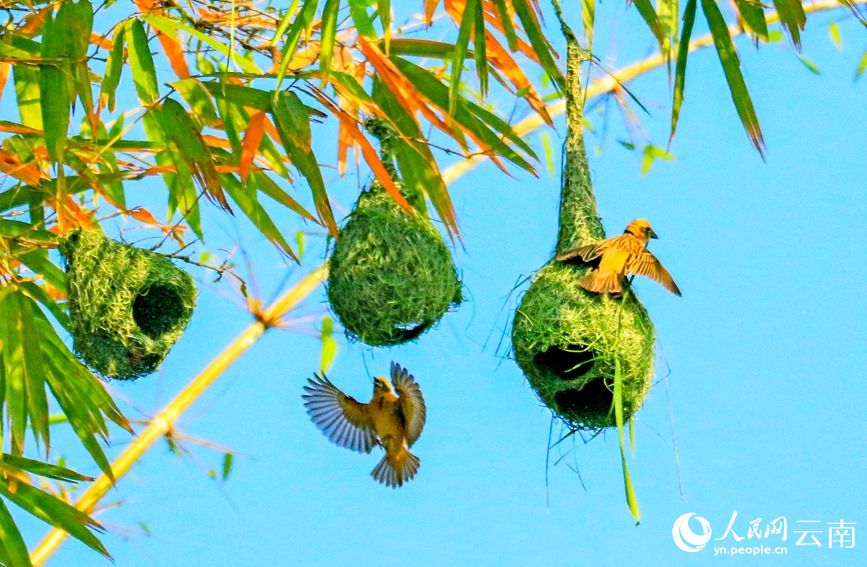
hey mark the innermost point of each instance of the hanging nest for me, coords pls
(127, 306)
(391, 276)
(569, 341)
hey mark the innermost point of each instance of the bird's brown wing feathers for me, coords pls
(411, 401)
(340, 417)
(646, 264)
(586, 253)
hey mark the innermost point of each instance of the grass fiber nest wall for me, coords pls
(128, 306)
(391, 275)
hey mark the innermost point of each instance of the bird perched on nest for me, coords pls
(393, 419)
(621, 256)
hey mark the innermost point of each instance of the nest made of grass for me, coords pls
(127, 306)
(391, 275)
(567, 340)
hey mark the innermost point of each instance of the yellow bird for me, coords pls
(615, 258)
(393, 419)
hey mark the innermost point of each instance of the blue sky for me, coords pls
(761, 363)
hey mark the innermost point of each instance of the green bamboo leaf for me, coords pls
(170, 26)
(753, 15)
(588, 17)
(361, 19)
(793, 19)
(548, 151)
(32, 372)
(141, 62)
(414, 158)
(180, 128)
(14, 370)
(285, 22)
(238, 94)
(26, 81)
(228, 459)
(329, 345)
(424, 48)
(809, 65)
(13, 550)
(38, 293)
(834, 34)
(329, 30)
(302, 22)
(461, 44)
(508, 27)
(257, 214)
(200, 101)
(55, 87)
(539, 44)
(631, 500)
(383, 7)
(470, 116)
(680, 67)
(480, 56)
(648, 14)
(862, 65)
(667, 14)
(113, 67)
(731, 67)
(56, 512)
(292, 119)
(14, 462)
(266, 185)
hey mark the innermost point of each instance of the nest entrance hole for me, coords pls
(157, 309)
(594, 399)
(568, 363)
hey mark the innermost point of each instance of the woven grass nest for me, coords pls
(391, 275)
(127, 306)
(567, 340)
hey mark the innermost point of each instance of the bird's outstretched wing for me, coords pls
(340, 417)
(645, 264)
(411, 401)
(586, 253)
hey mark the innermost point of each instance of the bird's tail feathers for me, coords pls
(599, 282)
(394, 472)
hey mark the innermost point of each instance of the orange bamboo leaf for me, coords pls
(370, 155)
(406, 94)
(503, 61)
(141, 214)
(175, 54)
(492, 16)
(430, 7)
(101, 41)
(344, 140)
(4, 75)
(32, 23)
(250, 144)
(26, 172)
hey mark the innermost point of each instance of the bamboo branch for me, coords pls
(610, 82)
(165, 419)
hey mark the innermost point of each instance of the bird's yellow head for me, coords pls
(381, 385)
(642, 229)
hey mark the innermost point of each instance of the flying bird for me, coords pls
(618, 257)
(392, 419)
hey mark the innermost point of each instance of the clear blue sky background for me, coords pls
(762, 362)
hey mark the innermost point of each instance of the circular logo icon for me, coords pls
(685, 538)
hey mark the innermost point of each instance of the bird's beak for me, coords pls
(652, 234)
